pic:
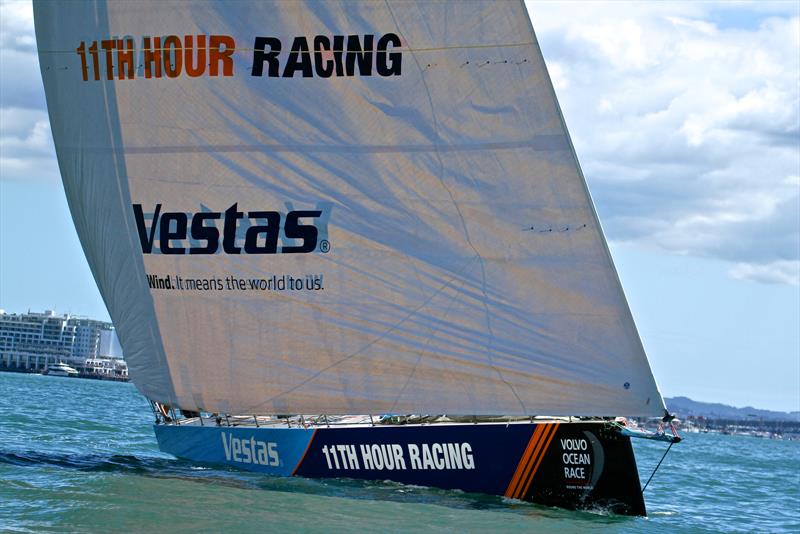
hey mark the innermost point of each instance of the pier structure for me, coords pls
(30, 342)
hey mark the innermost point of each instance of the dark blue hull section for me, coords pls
(571, 465)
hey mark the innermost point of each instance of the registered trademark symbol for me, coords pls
(324, 246)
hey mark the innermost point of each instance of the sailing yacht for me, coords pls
(349, 207)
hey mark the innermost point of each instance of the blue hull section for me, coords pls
(574, 465)
(275, 451)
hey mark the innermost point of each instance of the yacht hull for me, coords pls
(580, 465)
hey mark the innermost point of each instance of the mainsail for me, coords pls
(337, 207)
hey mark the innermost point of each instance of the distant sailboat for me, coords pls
(350, 207)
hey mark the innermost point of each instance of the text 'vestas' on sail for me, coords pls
(409, 159)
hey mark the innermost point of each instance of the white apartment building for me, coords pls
(33, 341)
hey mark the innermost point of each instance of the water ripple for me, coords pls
(80, 456)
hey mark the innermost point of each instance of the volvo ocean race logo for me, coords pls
(252, 232)
(582, 459)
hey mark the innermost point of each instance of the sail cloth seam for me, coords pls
(421, 353)
(539, 143)
(487, 311)
(243, 49)
(372, 342)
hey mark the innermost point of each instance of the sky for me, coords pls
(686, 120)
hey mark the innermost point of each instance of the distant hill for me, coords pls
(684, 406)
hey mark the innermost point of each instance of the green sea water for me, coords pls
(80, 456)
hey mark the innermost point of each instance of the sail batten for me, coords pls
(340, 210)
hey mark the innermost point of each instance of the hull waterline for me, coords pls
(575, 465)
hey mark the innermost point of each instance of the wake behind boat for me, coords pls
(342, 208)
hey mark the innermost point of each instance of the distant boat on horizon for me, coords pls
(60, 369)
(339, 208)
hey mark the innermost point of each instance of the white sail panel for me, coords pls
(318, 230)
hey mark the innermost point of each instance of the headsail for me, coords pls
(337, 207)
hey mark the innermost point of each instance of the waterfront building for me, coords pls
(33, 341)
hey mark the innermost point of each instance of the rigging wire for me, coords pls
(399, 49)
(657, 466)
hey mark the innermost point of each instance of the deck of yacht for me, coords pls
(339, 421)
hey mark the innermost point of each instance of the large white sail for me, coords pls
(281, 224)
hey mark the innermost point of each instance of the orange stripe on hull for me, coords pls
(524, 461)
(545, 446)
(527, 474)
(304, 452)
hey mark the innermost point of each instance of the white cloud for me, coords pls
(26, 145)
(618, 42)
(778, 272)
(20, 81)
(16, 26)
(686, 118)
(25, 129)
(557, 76)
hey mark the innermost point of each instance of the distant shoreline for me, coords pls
(85, 376)
(685, 407)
